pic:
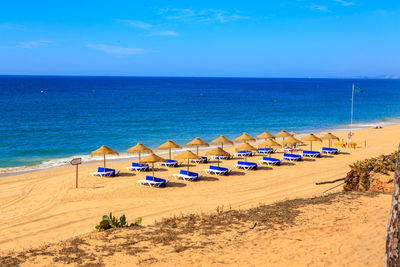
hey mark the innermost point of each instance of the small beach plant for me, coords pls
(110, 221)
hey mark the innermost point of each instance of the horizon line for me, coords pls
(379, 77)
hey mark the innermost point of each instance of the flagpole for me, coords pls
(351, 118)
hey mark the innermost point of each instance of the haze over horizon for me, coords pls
(293, 38)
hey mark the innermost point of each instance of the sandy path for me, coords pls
(44, 206)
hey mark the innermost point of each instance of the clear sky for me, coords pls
(291, 38)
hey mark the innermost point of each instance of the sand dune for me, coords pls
(339, 229)
(44, 206)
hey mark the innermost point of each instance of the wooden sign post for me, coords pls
(76, 162)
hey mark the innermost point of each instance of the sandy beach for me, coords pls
(44, 206)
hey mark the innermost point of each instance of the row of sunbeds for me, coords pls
(216, 170)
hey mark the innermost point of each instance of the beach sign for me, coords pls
(76, 162)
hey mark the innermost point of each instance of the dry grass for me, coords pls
(191, 231)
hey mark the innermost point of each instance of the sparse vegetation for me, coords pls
(359, 176)
(110, 221)
(194, 231)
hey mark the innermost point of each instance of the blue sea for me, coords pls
(48, 119)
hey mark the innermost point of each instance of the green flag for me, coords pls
(358, 89)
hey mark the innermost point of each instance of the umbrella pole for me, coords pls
(218, 161)
(139, 155)
(188, 167)
(169, 153)
(197, 150)
(269, 151)
(104, 162)
(311, 145)
(222, 144)
(329, 143)
(153, 170)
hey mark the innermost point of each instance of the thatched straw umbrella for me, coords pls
(169, 145)
(265, 135)
(152, 158)
(283, 134)
(197, 142)
(217, 152)
(139, 148)
(221, 140)
(246, 147)
(104, 150)
(311, 137)
(269, 143)
(187, 155)
(244, 138)
(291, 141)
(330, 137)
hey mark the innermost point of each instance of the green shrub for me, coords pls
(358, 178)
(110, 221)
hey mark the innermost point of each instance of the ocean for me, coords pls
(46, 120)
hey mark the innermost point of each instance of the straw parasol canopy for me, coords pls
(187, 155)
(197, 142)
(246, 147)
(265, 135)
(311, 137)
(244, 138)
(330, 137)
(222, 140)
(152, 158)
(169, 145)
(269, 143)
(139, 148)
(104, 150)
(291, 141)
(217, 152)
(283, 134)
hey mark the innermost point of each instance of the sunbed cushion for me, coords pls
(330, 149)
(246, 163)
(218, 168)
(101, 169)
(270, 159)
(267, 150)
(291, 155)
(135, 164)
(158, 180)
(184, 172)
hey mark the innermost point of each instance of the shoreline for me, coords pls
(86, 158)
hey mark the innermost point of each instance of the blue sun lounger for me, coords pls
(217, 170)
(138, 167)
(156, 182)
(270, 161)
(220, 157)
(246, 165)
(108, 172)
(243, 153)
(170, 163)
(266, 150)
(291, 157)
(330, 150)
(183, 174)
(200, 160)
(311, 154)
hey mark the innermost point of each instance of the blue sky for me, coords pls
(292, 38)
